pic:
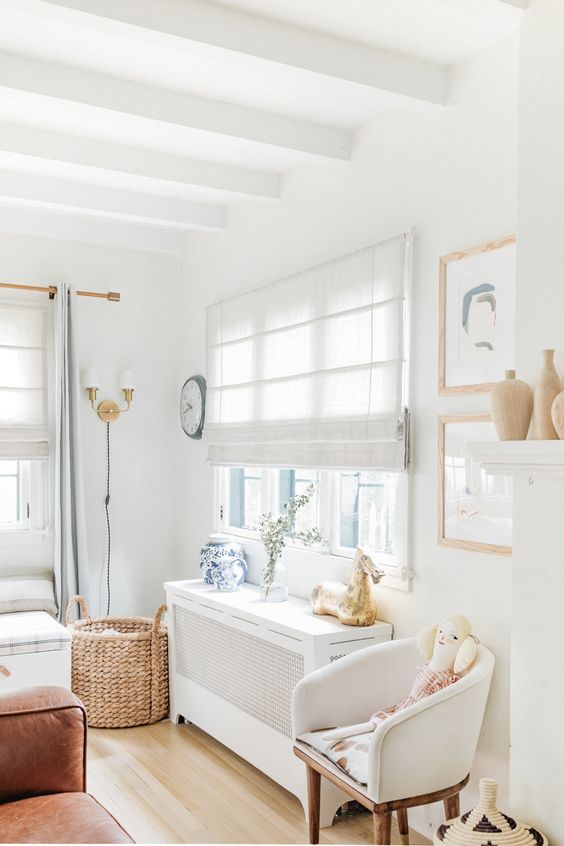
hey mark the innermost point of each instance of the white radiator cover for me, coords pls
(234, 662)
(248, 671)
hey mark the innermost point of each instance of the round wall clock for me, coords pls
(193, 406)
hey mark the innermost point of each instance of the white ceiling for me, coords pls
(164, 113)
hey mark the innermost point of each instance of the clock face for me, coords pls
(192, 406)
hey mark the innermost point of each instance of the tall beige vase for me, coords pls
(546, 390)
(511, 403)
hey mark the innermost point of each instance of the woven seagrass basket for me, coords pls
(119, 667)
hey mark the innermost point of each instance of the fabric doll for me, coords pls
(449, 649)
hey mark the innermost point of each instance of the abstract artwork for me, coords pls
(477, 316)
(475, 508)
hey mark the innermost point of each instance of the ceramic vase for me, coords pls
(546, 390)
(229, 573)
(557, 414)
(485, 824)
(216, 549)
(511, 403)
(275, 590)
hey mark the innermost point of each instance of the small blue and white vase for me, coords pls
(229, 574)
(217, 548)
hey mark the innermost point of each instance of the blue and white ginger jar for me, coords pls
(217, 548)
(229, 574)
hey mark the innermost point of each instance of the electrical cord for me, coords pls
(108, 525)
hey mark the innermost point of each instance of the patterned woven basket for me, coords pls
(119, 667)
(485, 825)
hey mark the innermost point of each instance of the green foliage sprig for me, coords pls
(275, 532)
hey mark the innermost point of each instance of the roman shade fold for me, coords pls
(23, 380)
(309, 371)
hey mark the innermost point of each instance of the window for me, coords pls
(351, 508)
(311, 371)
(22, 495)
(10, 493)
(292, 482)
(24, 440)
(245, 495)
(367, 510)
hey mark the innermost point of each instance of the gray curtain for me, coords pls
(70, 549)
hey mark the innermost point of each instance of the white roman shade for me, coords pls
(23, 375)
(309, 371)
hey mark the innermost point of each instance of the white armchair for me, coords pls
(419, 755)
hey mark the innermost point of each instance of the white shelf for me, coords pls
(294, 614)
(513, 458)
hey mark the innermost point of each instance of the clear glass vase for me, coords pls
(277, 589)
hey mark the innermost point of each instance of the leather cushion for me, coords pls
(42, 743)
(59, 818)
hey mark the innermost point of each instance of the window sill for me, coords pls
(24, 537)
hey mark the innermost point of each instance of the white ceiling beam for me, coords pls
(491, 9)
(211, 24)
(45, 223)
(219, 180)
(171, 107)
(34, 190)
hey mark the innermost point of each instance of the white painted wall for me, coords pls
(452, 174)
(536, 724)
(540, 258)
(141, 332)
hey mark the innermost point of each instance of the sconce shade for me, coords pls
(127, 380)
(90, 378)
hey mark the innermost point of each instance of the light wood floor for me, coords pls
(176, 784)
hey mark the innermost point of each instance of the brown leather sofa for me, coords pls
(43, 795)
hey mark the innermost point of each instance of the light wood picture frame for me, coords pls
(475, 510)
(476, 316)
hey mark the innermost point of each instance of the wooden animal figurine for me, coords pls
(354, 603)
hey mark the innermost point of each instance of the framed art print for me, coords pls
(475, 508)
(477, 317)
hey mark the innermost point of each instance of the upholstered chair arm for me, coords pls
(42, 743)
(430, 745)
(354, 687)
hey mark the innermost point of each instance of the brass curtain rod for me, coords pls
(52, 290)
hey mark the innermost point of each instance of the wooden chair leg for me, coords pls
(403, 826)
(382, 828)
(313, 803)
(452, 806)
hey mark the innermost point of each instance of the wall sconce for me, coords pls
(108, 410)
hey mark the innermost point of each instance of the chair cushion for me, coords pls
(27, 593)
(349, 755)
(31, 631)
(59, 818)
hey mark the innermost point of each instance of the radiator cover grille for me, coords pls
(249, 672)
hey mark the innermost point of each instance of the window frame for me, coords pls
(395, 566)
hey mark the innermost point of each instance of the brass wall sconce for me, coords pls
(108, 410)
